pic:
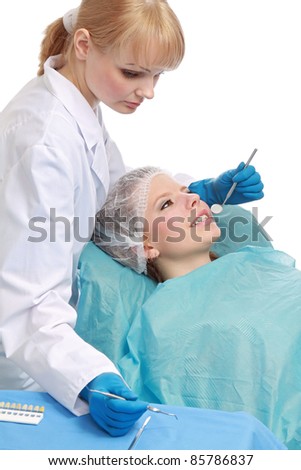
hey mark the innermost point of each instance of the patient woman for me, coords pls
(220, 333)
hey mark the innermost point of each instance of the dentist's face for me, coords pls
(179, 224)
(119, 82)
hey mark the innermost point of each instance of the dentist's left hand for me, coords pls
(115, 416)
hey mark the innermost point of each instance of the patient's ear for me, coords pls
(150, 252)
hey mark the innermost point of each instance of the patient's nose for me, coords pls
(192, 199)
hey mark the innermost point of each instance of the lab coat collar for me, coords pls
(73, 101)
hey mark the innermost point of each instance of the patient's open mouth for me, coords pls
(203, 218)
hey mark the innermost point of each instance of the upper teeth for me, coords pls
(201, 218)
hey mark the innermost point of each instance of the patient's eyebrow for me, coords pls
(162, 196)
(182, 189)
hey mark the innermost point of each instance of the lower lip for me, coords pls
(209, 221)
(132, 105)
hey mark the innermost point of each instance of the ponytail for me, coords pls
(56, 41)
(116, 25)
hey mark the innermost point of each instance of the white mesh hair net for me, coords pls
(119, 225)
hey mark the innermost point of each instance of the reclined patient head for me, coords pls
(155, 225)
(120, 224)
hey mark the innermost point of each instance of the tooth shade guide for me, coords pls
(216, 208)
(21, 413)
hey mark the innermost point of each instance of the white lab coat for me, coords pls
(57, 164)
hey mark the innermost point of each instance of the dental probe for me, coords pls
(138, 435)
(217, 208)
(118, 397)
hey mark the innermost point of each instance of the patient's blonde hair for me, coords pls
(119, 25)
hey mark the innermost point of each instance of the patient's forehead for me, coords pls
(162, 185)
(163, 182)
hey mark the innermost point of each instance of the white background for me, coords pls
(239, 87)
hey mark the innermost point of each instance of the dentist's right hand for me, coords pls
(115, 416)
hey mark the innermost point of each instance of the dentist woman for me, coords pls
(57, 165)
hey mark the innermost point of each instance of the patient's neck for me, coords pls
(175, 267)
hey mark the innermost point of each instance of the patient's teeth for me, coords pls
(202, 218)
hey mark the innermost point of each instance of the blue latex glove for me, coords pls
(115, 416)
(249, 186)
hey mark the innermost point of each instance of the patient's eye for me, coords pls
(166, 204)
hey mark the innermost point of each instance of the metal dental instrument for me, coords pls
(232, 189)
(138, 435)
(217, 208)
(157, 410)
(106, 394)
(149, 407)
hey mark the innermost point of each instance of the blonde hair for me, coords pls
(120, 25)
